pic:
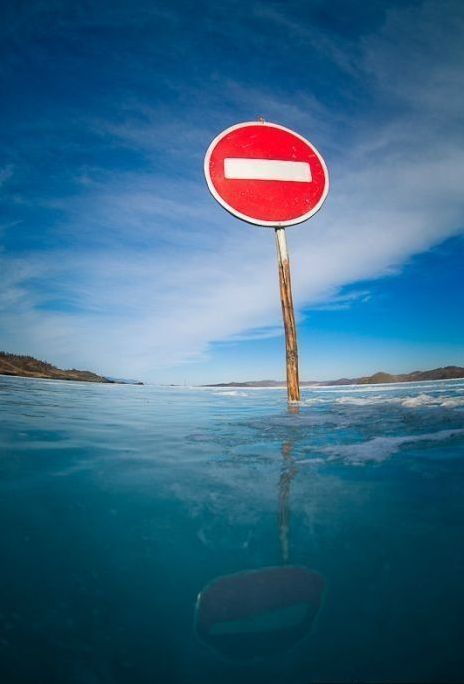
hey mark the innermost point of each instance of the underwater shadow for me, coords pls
(266, 611)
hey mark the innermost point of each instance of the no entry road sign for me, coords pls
(266, 174)
(270, 176)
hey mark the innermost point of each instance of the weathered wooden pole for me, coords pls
(293, 381)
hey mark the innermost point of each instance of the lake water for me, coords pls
(212, 536)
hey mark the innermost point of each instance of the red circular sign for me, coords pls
(266, 174)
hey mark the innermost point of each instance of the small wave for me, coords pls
(231, 393)
(364, 401)
(379, 449)
(428, 400)
(420, 400)
(407, 402)
(456, 385)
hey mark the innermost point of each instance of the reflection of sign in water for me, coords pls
(286, 476)
(260, 612)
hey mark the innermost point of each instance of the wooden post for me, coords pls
(293, 382)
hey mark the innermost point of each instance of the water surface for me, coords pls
(121, 505)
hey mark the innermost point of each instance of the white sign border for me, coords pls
(249, 219)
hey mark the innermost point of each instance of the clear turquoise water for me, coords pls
(120, 504)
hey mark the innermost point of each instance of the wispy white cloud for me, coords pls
(155, 273)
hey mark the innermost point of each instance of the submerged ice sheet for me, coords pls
(378, 449)
(123, 503)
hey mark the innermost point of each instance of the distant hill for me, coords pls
(250, 383)
(28, 367)
(446, 373)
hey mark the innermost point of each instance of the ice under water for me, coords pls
(145, 532)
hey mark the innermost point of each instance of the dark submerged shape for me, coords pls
(259, 612)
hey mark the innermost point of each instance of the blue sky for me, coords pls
(113, 255)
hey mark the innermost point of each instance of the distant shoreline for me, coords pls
(40, 377)
(380, 378)
(15, 365)
(19, 366)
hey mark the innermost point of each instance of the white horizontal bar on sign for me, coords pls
(266, 169)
